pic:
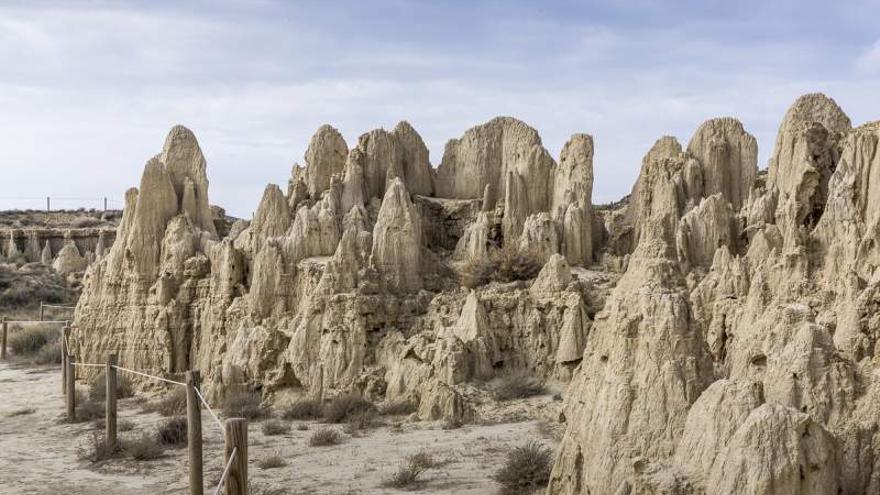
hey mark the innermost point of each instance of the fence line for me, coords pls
(225, 471)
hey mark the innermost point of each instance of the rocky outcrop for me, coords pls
(716, 330)
(69, 260)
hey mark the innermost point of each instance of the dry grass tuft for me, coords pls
(241, 403)
(172, 404)
(98, 388)
(505, 264)
(271, 462)
(303, 409)
(325, 437)
(96, 449)
(275, 427)
(143, 448)
(526, 470)
(518, 385)
(398, 408)
(172, 432)
(408, 475)
(345, 407)
(29, 342)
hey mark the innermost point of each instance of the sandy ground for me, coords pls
(39, 453)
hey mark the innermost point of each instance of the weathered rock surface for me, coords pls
(717, 329)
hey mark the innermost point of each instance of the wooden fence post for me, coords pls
(3, 339)
(71, 389)
(65, 337)
(236, 436)
(41, 310)
(110, 411)
(194, 433)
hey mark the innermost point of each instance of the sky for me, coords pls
(89, 89)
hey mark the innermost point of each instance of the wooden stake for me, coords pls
(65, 337)
(3, 339)
(194, 433)
(110, 411)
(71, 389)
(236, 430)
(41, 310)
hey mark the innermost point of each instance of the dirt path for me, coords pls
(39, 452)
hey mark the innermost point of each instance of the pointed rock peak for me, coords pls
(272, 218)
(816, 107)
(665, 147)
(46, 255)
(554, 277)
(325, 157)
(729, 158)
(577, 150)
(473, 322)
(397, 240)
(183, 159)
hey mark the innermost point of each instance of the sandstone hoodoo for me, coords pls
(715, 332)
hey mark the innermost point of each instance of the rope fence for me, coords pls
(234, 477)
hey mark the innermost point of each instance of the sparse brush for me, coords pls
(96, 448)
(271, 462)
(172, 432)
(398, 408)
(172, 404)
(88, 410)
(344, 407)
(517, 385)
(98, 388)
(242, 403)
(143, 448)
(325, 437)
(275, 427)
(525, 470)
(21, 412)
(408, 474)
(510, 263)
(256, 488)
(452, 424)
(28, 342)
(475, 272)
(361, 421)
(49, 353)
(303, 409)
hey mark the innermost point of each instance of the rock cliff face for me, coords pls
(716, 331)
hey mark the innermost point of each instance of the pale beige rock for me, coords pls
(539, 237)
(397, 240)
(46, 255)
(703, 230)
(729, 158)
(325, 157)
(69, 260)
(553, 277)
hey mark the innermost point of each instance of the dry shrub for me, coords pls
(504, 264)
(511, 263)
(242, 403)
(271, 462)
(49, 353)
(172, 404)
(518, 385)
(172, 432)
(361, 421)
(325, 437)
(408, 474)
(303, 409)
(21, 412)
(30, 341)
(143, 448)
(98, 389)
(275, 427)
(96, 449)
(452, 424)
(525, 470)
(398, 408)
(88, 410)
(345, 407)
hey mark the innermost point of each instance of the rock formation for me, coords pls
(716, 330)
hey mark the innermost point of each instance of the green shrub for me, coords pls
(303, 409)
(526, 470)
(344, 407)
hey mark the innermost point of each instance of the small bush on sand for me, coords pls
(361, 421)
(275, 427)
(143, 448)
(172, 432)
(408, 474)
(28, 342)
(98, 389)
(88, 410)
(303, 409)
(49, 353)
(398, 408)
(172, 404)
(241, 403)
(271, 462)
(344, 407)
(526, 470)
(518, 385)
(325, 437)
(96, 449)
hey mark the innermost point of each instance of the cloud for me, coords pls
(869, 60)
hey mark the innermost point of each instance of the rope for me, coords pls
(58, 306)
(149, 376)
(89, 365)
(226, 471)
(202, 398)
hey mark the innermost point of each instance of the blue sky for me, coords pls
(89, 88)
